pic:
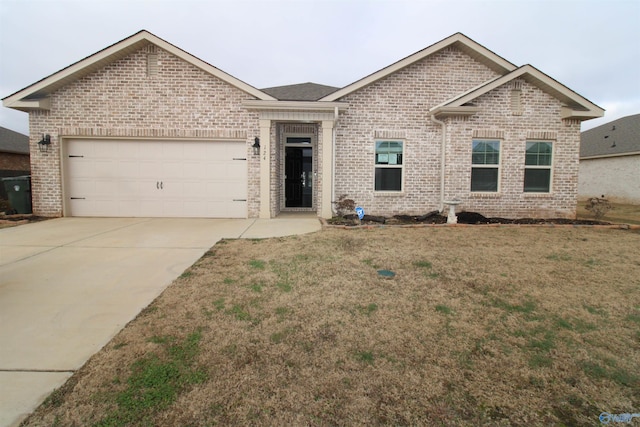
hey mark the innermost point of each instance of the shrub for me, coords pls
(598, 206)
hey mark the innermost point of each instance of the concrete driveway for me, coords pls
(68, 285)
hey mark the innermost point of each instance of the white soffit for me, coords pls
(258, 105)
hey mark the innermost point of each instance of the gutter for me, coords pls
(442, 157)
(608, 156)
(333, 160)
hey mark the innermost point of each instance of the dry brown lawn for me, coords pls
(521, 326)
(620, 213)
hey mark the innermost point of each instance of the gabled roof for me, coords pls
(458, 40)
(576, 106)
(300, 92)
(617, 138)
(13, 142)
(36, 95)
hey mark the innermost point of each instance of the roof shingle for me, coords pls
(618, 137)
(13, 142)
(300, 92)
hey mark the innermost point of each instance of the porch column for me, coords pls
(327, 169)
(265, 168)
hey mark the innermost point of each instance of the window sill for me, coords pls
(388, 193)
(537, 195)
(484, 195)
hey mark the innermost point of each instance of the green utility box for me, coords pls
(18, 190)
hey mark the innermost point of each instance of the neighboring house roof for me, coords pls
(576, 106)
(458, 40)
(36, 95)
(300, 92)
(619, 137)
(13, 142)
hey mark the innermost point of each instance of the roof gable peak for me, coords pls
(458, 40)
(35, 95)
(576, 106)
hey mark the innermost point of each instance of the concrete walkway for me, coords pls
(69, 285)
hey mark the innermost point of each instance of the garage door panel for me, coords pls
(195, 170)
(156, 178)
(127, 169)
(149, 169)
(128, 188)
(151, 150)
(106, 188)
(172, 170)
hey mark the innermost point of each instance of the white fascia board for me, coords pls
(570, 113)
(546, 84)
(456, 38)
(258, 105)
(113, 51)
(454, 111)
(452, 100)
(32, 104)
(69, 71)
(487, 87)
(207, 67)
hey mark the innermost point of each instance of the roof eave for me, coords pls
(23, 99)
(29, 105)
(463, 111)
(264, 105)
(570, 113)
(465, 44)
(606, 156)
(576, 106)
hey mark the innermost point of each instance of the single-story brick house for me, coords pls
(610, 161)
(143, 128)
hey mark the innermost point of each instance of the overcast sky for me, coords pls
(593, 47)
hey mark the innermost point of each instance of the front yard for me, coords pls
(505, 326)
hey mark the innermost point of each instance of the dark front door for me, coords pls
(298, 180)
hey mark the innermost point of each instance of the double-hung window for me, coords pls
(388, 165)
(537, 167)
(485, 165)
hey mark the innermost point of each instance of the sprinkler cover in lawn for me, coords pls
(386, 273)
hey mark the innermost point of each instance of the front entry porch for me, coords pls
(296, 156)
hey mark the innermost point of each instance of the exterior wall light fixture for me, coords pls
(44, 143)
(256, 146)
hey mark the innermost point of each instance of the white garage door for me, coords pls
(118, 178)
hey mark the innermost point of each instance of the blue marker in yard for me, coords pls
(360, 212)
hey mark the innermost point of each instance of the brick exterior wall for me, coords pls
(180, 101)
(540, 121)
(14, 162)
(122, 100)
(397, 107)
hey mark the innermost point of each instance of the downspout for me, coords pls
(333, 160)
(442, 157)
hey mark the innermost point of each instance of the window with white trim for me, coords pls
(485, 165)
(388, 165)
(537, 167)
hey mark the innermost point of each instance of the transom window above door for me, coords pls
(299, 140)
